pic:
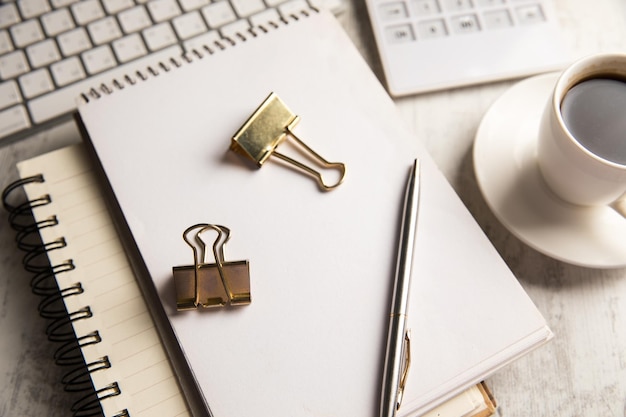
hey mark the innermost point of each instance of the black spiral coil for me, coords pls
(52, 306)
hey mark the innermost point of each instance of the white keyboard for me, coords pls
(51, 51)
(427, 45)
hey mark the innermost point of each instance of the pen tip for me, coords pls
(416, 167)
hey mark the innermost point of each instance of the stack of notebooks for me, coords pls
(156, 155)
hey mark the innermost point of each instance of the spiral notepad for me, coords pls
(311, 342)
(96, 312)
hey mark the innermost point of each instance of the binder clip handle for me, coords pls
(223, 235)
(341, 167)
(198, 259)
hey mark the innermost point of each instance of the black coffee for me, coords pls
(594, 112)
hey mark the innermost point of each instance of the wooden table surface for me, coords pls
(581, 372)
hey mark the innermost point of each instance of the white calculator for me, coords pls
(428, 45)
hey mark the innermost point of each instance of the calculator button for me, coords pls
(400, 34)
(392, 11)
(426, 7)
(497, 19)
(465, 24)
(430, 29)
(458, 5)
(530, 14)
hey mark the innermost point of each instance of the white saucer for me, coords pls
(508, 176)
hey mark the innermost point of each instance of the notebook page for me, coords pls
(129, 339)
(321, 264)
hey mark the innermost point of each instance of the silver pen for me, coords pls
(398, 354)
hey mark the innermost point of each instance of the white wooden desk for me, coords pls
(582, 372)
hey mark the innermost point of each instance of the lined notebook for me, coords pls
(321, 264)
(124, 357)
(129, 370)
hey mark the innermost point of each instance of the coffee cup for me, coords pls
(581, 150)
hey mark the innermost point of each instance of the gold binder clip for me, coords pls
(211, 284)
(271, 124)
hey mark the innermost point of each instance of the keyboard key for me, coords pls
(43, 53)
(218, 14)
(245, 8)
(67, 71)
(57, 4)
(5, 42)
(104, 30)
(87, 11)
(33, 8)
(25, 33)
(36, 83)
(162, 10)
(74, 41)
(129, 48)
(189, 25)
(13, 120)
(13, 64)
(159, 36)
(57, 22)
(8, 15)
(115, 6)
(61, 101)
(98, 59)
(189, 5)
(135, 19)
(9, 94)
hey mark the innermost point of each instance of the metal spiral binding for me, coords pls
(150, 71)
(51, 306)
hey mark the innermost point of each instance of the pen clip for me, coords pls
(407, 364)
